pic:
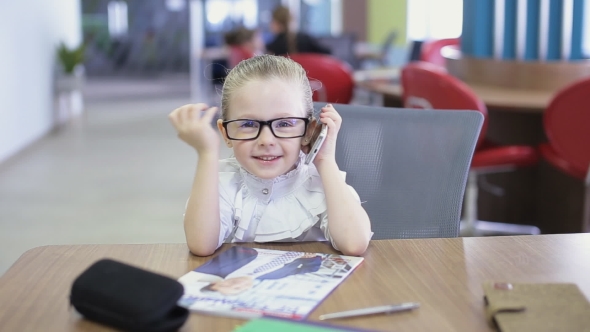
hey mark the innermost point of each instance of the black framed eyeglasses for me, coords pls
(247, 129)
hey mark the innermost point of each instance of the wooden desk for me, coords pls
(499, 98)
(444, 275)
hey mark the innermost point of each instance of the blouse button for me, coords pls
(265, 191)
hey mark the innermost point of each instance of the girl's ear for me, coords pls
(309, 134)
(223, 133)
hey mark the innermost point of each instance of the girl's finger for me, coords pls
(329, 122)
(328, 114)
(183, 114)
(193, 112)
(173, 117)
(209, 114)
(201, 106)
(331, 115)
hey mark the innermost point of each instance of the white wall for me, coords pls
(30, 31)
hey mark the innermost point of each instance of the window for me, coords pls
(434, 19)
(117, 17)
(224, 15)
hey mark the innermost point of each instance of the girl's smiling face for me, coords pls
(267, 156)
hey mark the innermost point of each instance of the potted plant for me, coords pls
(69, 80)
(70, 74)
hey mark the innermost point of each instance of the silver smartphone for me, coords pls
(317, 145)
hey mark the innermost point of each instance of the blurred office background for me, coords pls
(111, 170)
(102, 164)
(150, 40)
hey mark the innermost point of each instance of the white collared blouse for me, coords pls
(289, 208)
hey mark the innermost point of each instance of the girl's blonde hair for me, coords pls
(266, 67)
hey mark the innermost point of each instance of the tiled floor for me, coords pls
(118, 174)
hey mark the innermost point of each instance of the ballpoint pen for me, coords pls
(229, 313)
(385, 309)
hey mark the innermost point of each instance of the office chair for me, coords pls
(409, 168)
(428, 86)
(379, 58)
(341, 47)
(331, 78)
(431, 50)
(238, 54)
(567, 126)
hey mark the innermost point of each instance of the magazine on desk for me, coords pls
(243, 282)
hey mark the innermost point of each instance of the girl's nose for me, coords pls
(266, 137)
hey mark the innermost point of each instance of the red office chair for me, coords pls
(429, 86)
(331, 78)
(431, 50)
(237, 54)
(567, 125)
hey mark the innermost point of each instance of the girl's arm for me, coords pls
(201, 219)
(348, 223)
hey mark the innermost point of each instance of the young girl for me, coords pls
(266, 192)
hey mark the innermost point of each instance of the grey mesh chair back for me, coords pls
(409, 167)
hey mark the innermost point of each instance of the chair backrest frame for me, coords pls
(431, 50)
(335, 76)
(409, 167)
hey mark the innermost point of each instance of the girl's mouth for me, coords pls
(267, 158)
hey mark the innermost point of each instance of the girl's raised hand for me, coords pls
(332, 119)
(193, 124)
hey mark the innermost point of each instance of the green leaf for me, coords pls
(70, 58)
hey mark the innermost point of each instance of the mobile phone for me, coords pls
(317, 145)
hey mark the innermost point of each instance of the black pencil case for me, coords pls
(128, 298)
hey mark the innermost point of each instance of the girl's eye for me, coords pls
(248, 124)
(285, 123)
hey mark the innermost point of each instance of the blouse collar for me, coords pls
(280, 186)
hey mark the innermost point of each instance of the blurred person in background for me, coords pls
(243, 44)
(287, 41)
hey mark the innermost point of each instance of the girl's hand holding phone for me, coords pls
(193, 124)
(332, 119)
(317, 144)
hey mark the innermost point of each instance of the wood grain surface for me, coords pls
(496, 97)
(444, 275)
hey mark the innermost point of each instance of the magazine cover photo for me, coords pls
(267, 282)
